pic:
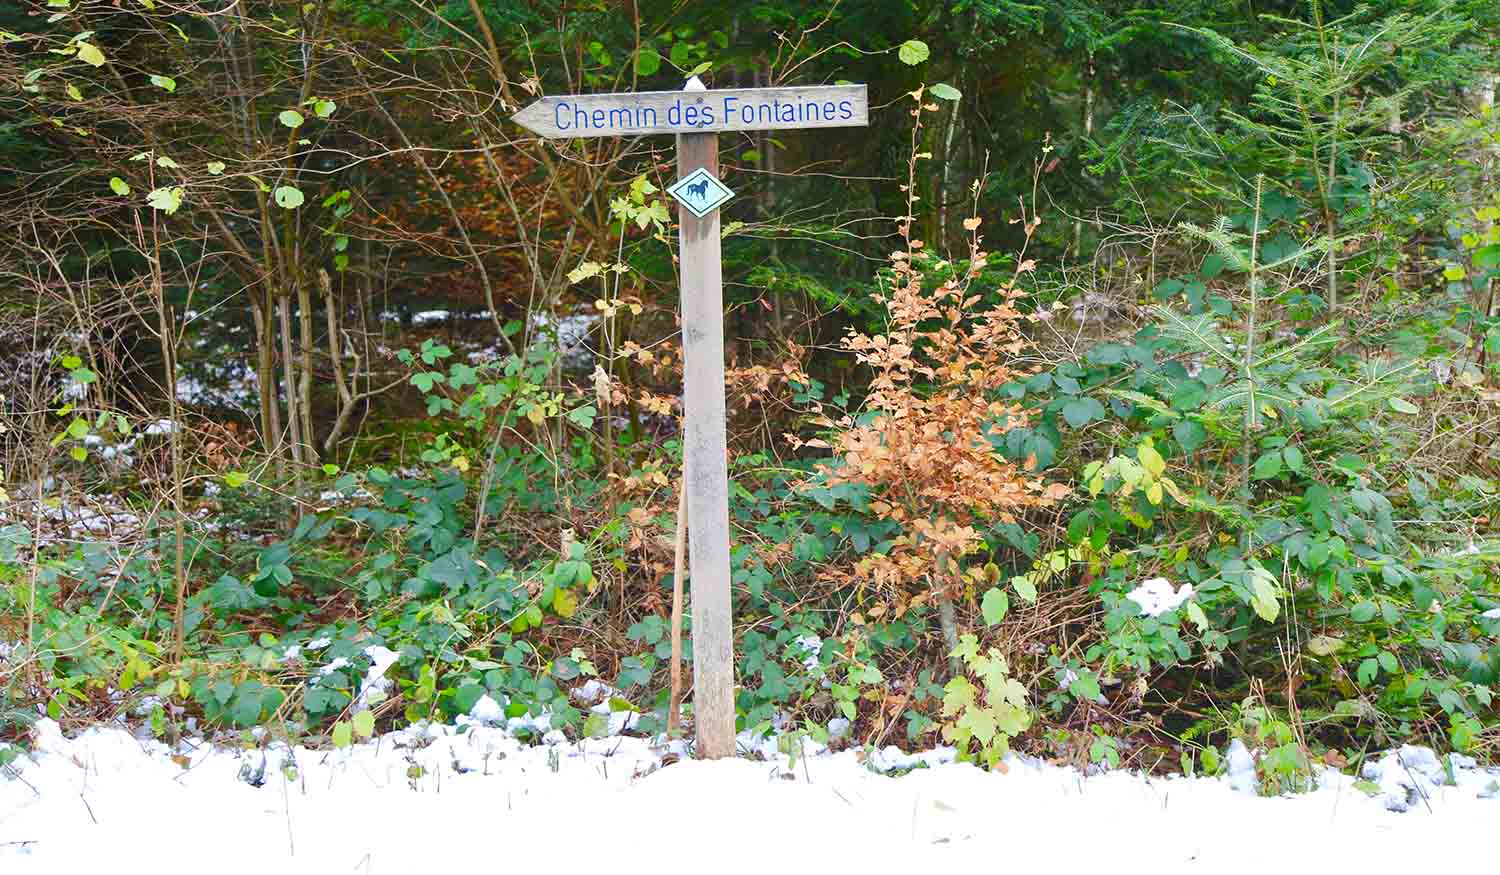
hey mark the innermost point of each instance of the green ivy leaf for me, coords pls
(291, 118)
(913, 52)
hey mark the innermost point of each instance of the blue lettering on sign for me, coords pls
(571, 115)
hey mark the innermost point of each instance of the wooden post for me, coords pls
(704, 458)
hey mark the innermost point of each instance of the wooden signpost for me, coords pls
(696, 115)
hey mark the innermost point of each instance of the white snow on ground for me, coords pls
(446, 799)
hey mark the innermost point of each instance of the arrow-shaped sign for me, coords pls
(696, 112)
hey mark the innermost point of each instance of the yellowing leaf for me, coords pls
(90, 54)
(564, 603)
(215, 168)
(1151, 460)
(364, 724)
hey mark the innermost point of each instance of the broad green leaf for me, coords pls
(324, 108)
(119, 186)
(1363, 612)
(236, 479)
(291, 118)
(994, 605)
(166, 161)
(1293, 457)
(79, 454)
(364, 724)
(1401, 405)
(944, 91)
(90, 54)
(288, 197)
(1453, 273)
(73, 92)
(647, 62)
(701, 68)
(1024, 587)
(564, 603)
(1267, 466)
(1081, 411)
(167, 199)
(165, 83)
(342, 734)
(215, 168)
(1189, 434)
(913, 52)
(1263, 594)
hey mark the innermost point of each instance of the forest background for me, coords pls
(1128, 386)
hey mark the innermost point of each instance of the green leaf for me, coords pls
(78, 454)
(1401, 405)
(342, 734)
(236, 479)
(324, 108)
(364, 724)
(215, 168)
(1024, 587)
(1189, 434)
(288, 197)
(119, 186)
(647, 62)
(1081, 411)
(167, 199)
(1263, 593)
(291, 118)
(1453, 273)
(1267, 466)
(994, 605)
(913, 52)
(944, 91)
(1368, 671)
(73, 92)
(1388, 662)
(165, 83)
(701, 68)
(1363, 612)
(1293, 457)
(90, 54)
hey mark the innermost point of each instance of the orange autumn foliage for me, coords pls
(928, 455)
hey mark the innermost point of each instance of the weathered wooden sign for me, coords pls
(697, 112)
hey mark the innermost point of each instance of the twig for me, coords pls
(674, 702)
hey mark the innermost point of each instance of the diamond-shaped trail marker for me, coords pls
(700, 192)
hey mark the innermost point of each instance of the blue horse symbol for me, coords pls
(698, 190)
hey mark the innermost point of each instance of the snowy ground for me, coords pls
(473, 799)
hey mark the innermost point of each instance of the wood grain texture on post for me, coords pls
(705, 460)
